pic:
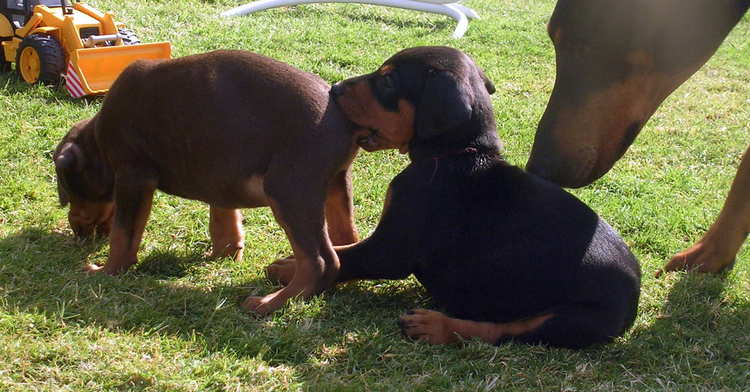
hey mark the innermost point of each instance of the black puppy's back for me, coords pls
(512, 246)
(490, 242)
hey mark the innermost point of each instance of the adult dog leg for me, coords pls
(227, 237)
(134, 194)
(719, 246)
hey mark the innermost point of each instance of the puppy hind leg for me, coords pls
(339, 213)
(437, 328)
(316, 264)
(227, 236)
(307, 277)
(575, 326)
(134, 193)
(339, 210)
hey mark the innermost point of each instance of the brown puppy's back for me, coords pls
(199, 122)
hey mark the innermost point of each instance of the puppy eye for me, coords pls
(386, 84)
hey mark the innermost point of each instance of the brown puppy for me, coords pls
(231, 128)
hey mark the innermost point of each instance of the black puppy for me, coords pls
(507, 255)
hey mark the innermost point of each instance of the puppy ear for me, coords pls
(68, 161)
(70, 157)
(62, 193)
(445, 103)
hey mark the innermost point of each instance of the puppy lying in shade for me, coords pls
(231, 128)
(506, 255)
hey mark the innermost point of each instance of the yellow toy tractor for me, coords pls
(49, 39)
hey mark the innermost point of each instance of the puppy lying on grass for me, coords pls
(507, 255)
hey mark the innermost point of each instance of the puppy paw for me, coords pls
(282, 270)
(427, 325)
(91, 269)
(263, 305)
(254, 305)
(229, 251)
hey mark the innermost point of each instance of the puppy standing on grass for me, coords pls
(231, 128)
(506, 254)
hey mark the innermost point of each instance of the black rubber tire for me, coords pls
(5, 66)
(128, 37)
(51, 58)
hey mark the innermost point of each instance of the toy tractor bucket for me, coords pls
(97, 68)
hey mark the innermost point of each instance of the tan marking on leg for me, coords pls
(437, 328)
(124, 243)
(339, 211)
(305, 283)
(227, 237)
(282, 270)
(87, 218)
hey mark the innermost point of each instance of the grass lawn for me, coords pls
(173, 322)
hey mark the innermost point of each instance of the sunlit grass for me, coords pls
(173, 323)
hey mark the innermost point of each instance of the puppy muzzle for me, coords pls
(367, 139)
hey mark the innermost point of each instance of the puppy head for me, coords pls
(84, 181)
(417, 94)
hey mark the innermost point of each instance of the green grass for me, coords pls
(173, 322)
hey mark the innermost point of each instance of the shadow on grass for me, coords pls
(162, 264)
(698, 317)
(354, 324)
(44, 275)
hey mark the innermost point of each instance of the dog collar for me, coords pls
(467, 150)
(436, 159)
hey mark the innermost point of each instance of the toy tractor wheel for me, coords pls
(128, 37)
(40, 59)
(5, 66)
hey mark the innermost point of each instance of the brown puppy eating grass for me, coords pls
(233, 129)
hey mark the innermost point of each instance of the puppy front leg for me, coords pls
(389, 253)
(134, 194)
(369, 259)
(386, 254)
(227, 236)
